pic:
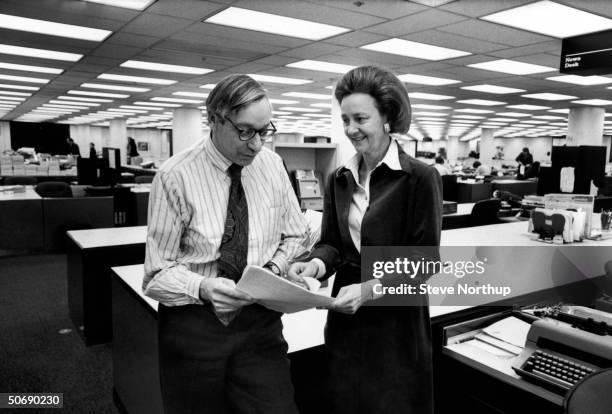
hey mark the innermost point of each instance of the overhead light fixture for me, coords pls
(51, 28)
(418, 50)
(511, 66)
(271, 79)
(492, 89)
(23, 79)
(12, 98)
(528, 107)
(19, 87)
(136, 79)
(321, 105)
(65, 106)
(596, 102)
(426, 80)
(76, 98)
(307, 95)
(64, 102)
(275, 24)
(39, 53)
(483, 102)
(297, 109)
(425, 106)
(321, 66)
(549, 96)
(162, 67)
(169, 105)
(114, 87)
(581, 80)
(11, 102)
(127, 4)
(29, 68)
(282, 101)
(103, 94)
(209, 85)
(15, 93)
(468, 116)
(474, 111)
(551, 19)
(177, 100)
(193, 94)
(429, 96)
(513, 114)
(548, 117)
(559, 111)
(427, 113)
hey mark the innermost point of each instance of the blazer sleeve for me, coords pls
(327, 249)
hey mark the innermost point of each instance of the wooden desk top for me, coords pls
(29, 194)
(109, 237)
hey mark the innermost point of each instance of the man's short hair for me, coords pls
(231, 94)
(439, 160)
(388, 92)
(525, 149)
(476, 164)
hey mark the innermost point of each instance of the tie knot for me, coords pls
(234, 171)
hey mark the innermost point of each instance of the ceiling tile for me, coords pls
(454, 41)
(355, 39)
(204, 30)
(150, 24)
(495, 33)
(390, 9)
(416, 23)
(186, 9)
(313, 50)
(131, 39)
(477, 8)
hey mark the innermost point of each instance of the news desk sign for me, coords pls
(589, 54)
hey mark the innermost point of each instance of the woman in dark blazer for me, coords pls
(380, 357)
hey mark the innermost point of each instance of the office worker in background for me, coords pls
(481, 169)
(132, 150)
(441, 166)
(380, 358)
(92, 151)
(215, 208)
(72, 147)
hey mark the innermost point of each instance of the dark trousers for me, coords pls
(206, 367)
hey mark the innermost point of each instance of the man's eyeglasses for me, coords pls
(265, 133)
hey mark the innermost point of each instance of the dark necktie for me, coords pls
(234, 243)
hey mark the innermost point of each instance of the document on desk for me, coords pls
(511, 330)
(277, 293)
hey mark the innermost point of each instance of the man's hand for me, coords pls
(299, 270)
(222, 293)
(351, 297)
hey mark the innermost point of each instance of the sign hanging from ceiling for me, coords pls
(589, 54)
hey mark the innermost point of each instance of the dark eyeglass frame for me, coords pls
(248, 134)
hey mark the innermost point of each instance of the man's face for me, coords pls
(255, 116)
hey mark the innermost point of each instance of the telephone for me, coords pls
(309, 189)
(558, 355)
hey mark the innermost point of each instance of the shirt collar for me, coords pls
(391, 160)
(217, 159)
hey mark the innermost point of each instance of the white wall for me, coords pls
(5, 136)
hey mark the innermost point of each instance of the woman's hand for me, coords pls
(299, 270)
(351, 297)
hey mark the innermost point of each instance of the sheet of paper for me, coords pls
(277, 293)
(511, 330)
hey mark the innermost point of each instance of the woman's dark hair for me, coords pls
(387, 90)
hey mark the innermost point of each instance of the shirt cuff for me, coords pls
(193, 285)
(320, 265)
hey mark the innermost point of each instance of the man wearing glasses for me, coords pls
(223, 204)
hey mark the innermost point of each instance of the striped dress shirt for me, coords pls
(187, 209)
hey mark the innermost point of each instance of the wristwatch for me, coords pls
(273, 268)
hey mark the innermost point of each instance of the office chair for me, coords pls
(485, 212)
(449, 187)
(20, 180)
(143, 179)
(591, 395)
(53, 189)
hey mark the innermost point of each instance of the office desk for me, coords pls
(458, 219)
(21, 220)
(91, 253)
(468, 192)
(518, 187)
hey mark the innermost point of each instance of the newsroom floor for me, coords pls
(34, 355)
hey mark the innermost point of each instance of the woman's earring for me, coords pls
(386, 128)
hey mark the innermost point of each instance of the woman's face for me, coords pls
(363, 124)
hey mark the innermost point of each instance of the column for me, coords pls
(5, 136)
(585, 126)
(186, 128)
(452, 148)
(118, 136)
(487, 146)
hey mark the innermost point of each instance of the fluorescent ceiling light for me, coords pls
(127, 111)
(23, 79)
(190, 101)
(65, 106)
(281, 112)
(559, 111)
(169, 105)
(53, 29)
(469, 116)
(29, 68)
(426, 80)
(108, 95)
(549, 96)
(55, 101)
(427, 113)
(211, 85)
(414, 49)
(529, 121)
(482, 102)
(39, 53)
(581, 80)
(318, 115)
(513, 114)
(193, 94)
(321, 66)
(270, 79)
(10, 102)
(597, 102)
(551, 19)
(307, 95)
(77, 98)
(429, 96)
(127, 4)
(136, 79)
(114, 87)
(273, 23)
(282, 101)
(162, 67)
(474, 111)
(492, 89)
(15, 93)
(321, 105)
(548, 117)
(425, 106)
(19, 87)
(511, 66)
(296, 109)
(528, 107)
(12, 98)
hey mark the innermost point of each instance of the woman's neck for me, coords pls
(371, 159)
